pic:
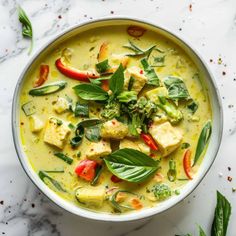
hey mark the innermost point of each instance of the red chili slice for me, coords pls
(187, 163)
(86, 169)
(115, 179)
(43, 75)
(147, 138)
(74, 73)
(136, 31)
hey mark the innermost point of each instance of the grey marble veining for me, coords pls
(210, 26)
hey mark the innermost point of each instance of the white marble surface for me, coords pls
(210, 27)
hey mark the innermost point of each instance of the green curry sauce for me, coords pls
(111, 119)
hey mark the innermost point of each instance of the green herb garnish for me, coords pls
(64, 157)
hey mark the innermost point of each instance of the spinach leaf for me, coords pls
(117, 81)
(81, 110)
(201, 232)
(64, 157)
(193, 106)
(90, 92)
(103, 66)
(92, 133)
(203, 141)
(222, 215)
(43, 175)
(176, 88)
(150, 73)
(27, 30)
(131, 165)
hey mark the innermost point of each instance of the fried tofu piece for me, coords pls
(114, 129)
(61, 105)
(36, 124)
(167, 137)
(56, 132)
(139, 78)
(95, 150)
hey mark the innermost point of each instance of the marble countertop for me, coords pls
(209, 25)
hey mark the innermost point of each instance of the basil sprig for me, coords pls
(222, 215)
(116, 83)
(177, 89)
(131, 165)
(27, 30)
(203, 141)
(103, 66)
(90, 92)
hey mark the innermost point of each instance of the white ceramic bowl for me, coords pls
(217, 121)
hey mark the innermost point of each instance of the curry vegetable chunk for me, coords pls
(113, 123)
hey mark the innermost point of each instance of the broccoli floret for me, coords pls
(161, 191)
(127, 96)
(174, 114)
(111, 110)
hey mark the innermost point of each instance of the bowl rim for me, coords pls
(99, 216)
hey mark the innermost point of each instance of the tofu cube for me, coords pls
(95, 150)
(135, 144)
(114, 129)
(56, 132)
(167, 137)
(155, 93)
(61, 105)
(139, 79)
(36, 124)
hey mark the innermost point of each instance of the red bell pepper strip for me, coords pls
(187, 163)
(115, 179)
(74, 73)
(43, 75)
(147, 138)
(86, 169)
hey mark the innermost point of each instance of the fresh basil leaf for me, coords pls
(103, 66)
(64, 157)
(92, 133)
(203, 141)
(193, 106)
(43, 175)
(81, 110)
(27, 30)
(222, 216)
(90, 92)
(201, 232)
(117, 80)
(176, 88)
(127, 96)
(150, 73)
(131, 165)
(99, 80)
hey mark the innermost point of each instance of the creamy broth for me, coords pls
(84, 49)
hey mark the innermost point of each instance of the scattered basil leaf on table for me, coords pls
(90, 92)
(131, 165)
(203, 141)
(150, 73)
(27, 30)
(177, 89)
(116, 83)
(43, 176)
(222, 215)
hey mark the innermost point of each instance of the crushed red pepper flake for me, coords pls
(190, 7)
(223, 73)
(229, 178)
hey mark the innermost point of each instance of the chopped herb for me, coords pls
(103, 66)
(78, 154)
(193, 106)
(131, 83)
(71, 126)
(64, 157)
(185, 145)
(91, 49)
